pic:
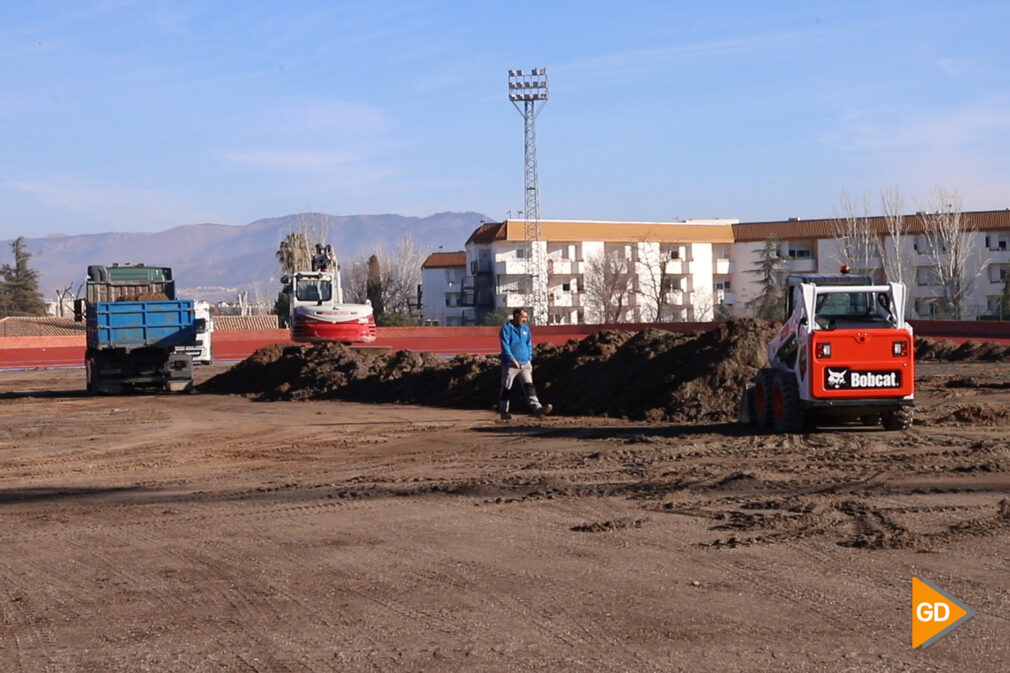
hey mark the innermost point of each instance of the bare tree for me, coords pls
(652, 278)
(892, 251)
(61, 299)
(398, 273)
(949, 249)
(858, 243)
(608, 287)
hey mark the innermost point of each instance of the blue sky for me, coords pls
(138, 116)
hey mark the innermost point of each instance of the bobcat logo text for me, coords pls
(850, 379)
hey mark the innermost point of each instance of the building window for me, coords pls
(997, 242)
(722, 285)
(799, 251)
(520, 253)
(926, 276)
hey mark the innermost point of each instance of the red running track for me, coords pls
(237, 345)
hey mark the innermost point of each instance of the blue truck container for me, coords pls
(138, 334)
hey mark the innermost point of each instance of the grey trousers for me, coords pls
(525, 375)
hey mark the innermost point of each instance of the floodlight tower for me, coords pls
(530, 89)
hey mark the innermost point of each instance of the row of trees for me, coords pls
(953, 262)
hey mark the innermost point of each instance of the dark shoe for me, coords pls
(544, 410)
(505, 416)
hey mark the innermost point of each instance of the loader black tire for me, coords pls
(899, 419)
(763, 384)
(787, 414)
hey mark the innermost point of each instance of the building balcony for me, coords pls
(999, 256)
(512, 300)
(565, 299)
(678, 267)
(725, 296)
(565, 267)
(512, 267)
(724, 266)
(801, 265)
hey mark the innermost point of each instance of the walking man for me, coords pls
(517, 361)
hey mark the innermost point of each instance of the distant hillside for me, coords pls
(215, 261)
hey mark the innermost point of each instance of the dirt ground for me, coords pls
(227, 532)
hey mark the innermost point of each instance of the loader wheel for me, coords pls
(763, 384)
(787, 414)
(899, 419)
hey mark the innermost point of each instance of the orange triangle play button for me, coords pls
(935, 613)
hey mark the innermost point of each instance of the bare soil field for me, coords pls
(282, 532)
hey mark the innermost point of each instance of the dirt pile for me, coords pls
(652, 374)
(969, 351)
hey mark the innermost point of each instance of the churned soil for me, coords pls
(286, 518)
(650, 375)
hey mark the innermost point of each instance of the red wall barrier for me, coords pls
(235, 345)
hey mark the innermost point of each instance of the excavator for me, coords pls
(318, 311)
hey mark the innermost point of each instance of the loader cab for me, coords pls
(866, 304)
(313, 289)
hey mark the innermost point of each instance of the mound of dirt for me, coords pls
(652, 374)
(969, 351)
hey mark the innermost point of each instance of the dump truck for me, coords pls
(318, 311)
(844, 353)
(139, 336)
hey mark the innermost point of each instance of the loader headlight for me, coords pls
(899, 348)
(823, 349)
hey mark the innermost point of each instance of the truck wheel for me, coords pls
(899, 419)
(787, 414)
(763, 384)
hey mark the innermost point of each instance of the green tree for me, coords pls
(770, 302)
(294, 253)
(19, 284)
(497, 317)
(373, 287)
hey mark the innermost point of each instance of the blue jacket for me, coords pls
(516, 343)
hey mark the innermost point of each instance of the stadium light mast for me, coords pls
(530, 89)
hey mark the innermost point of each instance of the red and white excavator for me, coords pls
(318, 311)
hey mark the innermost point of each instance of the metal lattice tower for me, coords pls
(530, 89)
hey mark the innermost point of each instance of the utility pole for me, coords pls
(530, 89)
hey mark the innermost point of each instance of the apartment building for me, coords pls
(442, 275)
(598, 272)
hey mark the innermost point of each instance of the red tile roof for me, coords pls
(17, 326)
(441, 260)
(986, 220)
(21, 326)
(487, 233)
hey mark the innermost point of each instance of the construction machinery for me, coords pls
(318, 312)
(844, 353)
(139, 336)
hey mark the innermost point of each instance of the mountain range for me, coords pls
(215, 262)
